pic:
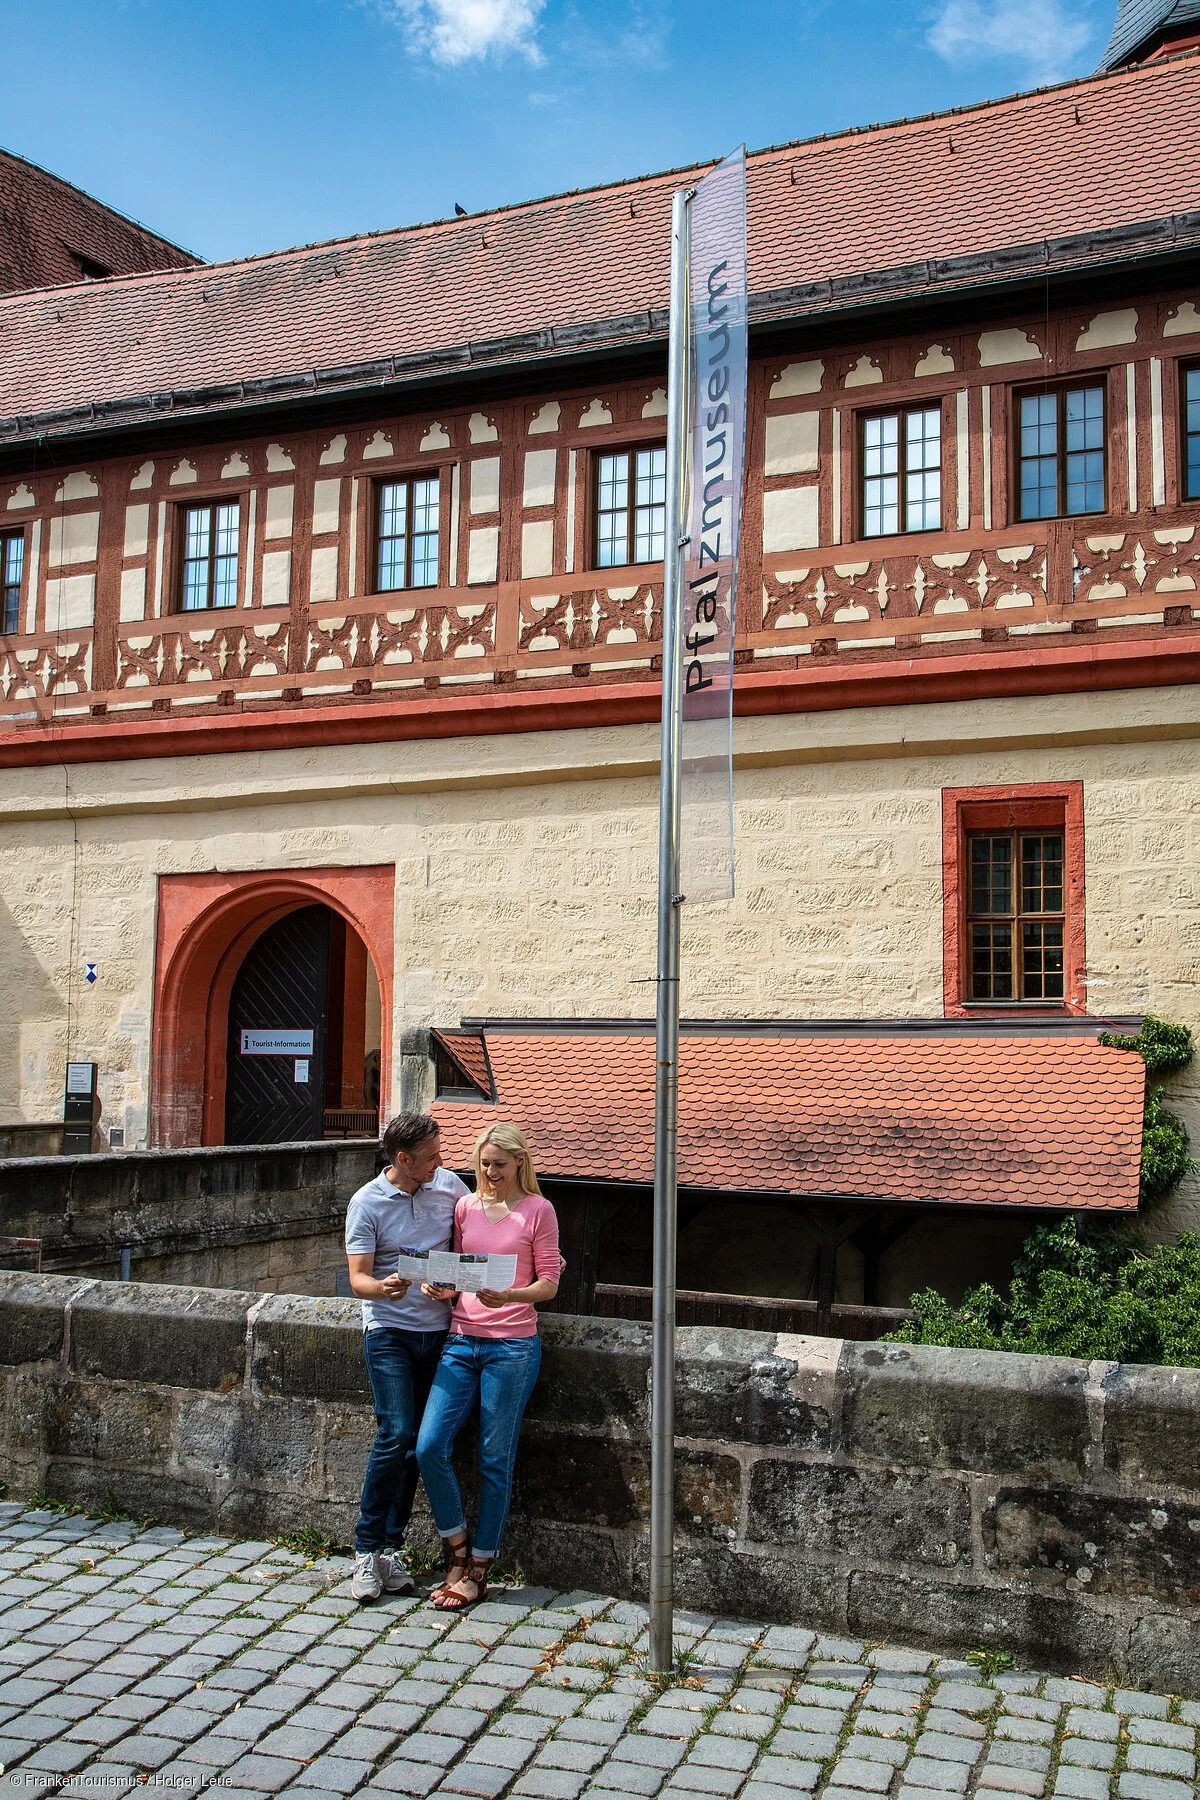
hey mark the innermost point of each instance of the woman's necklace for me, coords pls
(489, 1201)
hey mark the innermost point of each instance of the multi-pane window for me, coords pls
(1191, 434)
(12, 568)
(1015, 915)
(631, 507)
(408, 533)
(1060, 453)
(210, 555)
(902, 472)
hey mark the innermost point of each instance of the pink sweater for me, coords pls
(529, 1231)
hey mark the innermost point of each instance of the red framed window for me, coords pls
(1013, 890)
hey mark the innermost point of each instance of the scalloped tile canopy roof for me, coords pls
(1013, 1121)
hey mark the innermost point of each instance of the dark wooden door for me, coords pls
(282, 986)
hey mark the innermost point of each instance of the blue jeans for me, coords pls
(498, 1376)
(401, 1366)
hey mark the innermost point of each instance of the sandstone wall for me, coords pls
(1044, 1506)
(525, 870)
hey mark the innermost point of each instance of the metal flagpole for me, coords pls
(662, 1375)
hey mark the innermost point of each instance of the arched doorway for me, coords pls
(302, 1057)
(207, 925)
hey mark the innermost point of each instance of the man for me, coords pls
(409, 1207)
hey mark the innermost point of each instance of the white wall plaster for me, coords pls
(327, 506)
(20, 496)
(540, 468)
(595, 413)
(236, 465)
(485, 484)
(277, 514)
(545, 418)
(1184, 321)
(1109, 328)
(74, 538)
(798, 378)
(378, 446)
(963, 459)
(276, 577)
(183, 473)
(792, 443)
(865, 373)
(137, 530)
(455, 515)
(70, 602)
(483, 554)
(1008, 346)
(78, 485)
(791, 519)
(436, 438)
(144, 477)
(133, 595)
(537, 547)
(656, 405)
(278, 460)
(481, 429)
(334, 451)
(1158, 479)
(323, 574)
(1131, 432)
(936, 361)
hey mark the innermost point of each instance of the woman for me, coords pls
(491, 1358)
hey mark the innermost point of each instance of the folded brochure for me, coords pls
(467, 1274)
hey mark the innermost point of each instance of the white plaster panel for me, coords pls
(865, 373)
(74, 538)
(798, 378)
(1109, 328)
(183, 473)
(277, 514)
(378, 446)
(70, 602)
(78, 485)
(485, 484)
(540, 468)
(1131, 431)
(278, 460)
(792, 443)
(352, 567)
(1008, 346)
(436, 438)
(595, 413)
(133, 595)
(545, 418)
(31, 586)
(156, 597)
(791, 519)
(537, 547)
(276, 577)
(836, 463)
(963, 470)
(455, 515)
(137, 531)
(327, 506)
(1184, 321)
(144, 477)
(20, 496)
(236, 465)
(936, 361)
(334, 451)
(481, 429)
(571, 477)
(483, 553)
(656, 406)
(1158, 479)
(323, 574)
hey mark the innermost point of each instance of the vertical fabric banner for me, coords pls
(708, 614)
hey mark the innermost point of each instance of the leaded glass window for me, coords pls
(631, 507)
(1015, 917)
(1061, 453)
(902, 472)
(409, 533)
(210, 555)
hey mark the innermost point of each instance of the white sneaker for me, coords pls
(366, 1583)
(396, 1578)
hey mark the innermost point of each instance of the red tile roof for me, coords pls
(1031, 1122)
(46, 225)
(1084, 158)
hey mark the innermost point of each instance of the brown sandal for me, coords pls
(455, 1560)
(450, 1596)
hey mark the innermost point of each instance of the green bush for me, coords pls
(1163, 1048)
(1078, 1291)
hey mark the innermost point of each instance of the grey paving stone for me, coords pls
(1134, 1786)
(1081, 1784)
(1004, 1779)
(1088, 1753)
(145, 1751)
(828, 1699)
(455, 1721)
(1135, 1704)
(483, 1780)
(552, 1784)
(61, 1757)
(100, 1730)
(950, 1747)
(585, 1728)
(787, 1772)
(1189, 1711)
(430, 1747)
(534, 1726)
(766, 1790)
(892, 1751)
(1026, 1731)
(295, 1743)
(649, 1752)
(553, 1703)
(856, 1772)
(629, 1778)
(362, 1743)
(1161, 1759)
(938, 1777)
(1085, 1721)
(713, 1751)
(510, 1753)
(263, 1774)
(958, 1696)
(333, 1775)
(670, 1721)
(407, 1778)
(1018, 1756)
(1159, 1731)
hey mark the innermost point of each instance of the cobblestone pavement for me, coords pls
(143, 1659)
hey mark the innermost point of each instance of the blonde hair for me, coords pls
(507, 1138)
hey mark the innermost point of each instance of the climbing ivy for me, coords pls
(1163, 1048)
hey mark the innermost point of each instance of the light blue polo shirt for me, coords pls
(381, 1221)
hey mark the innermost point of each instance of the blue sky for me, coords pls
(235, 126)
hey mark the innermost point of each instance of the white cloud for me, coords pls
(457, 31)
(1046, 36)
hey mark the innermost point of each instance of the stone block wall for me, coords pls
(1040, 1505)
